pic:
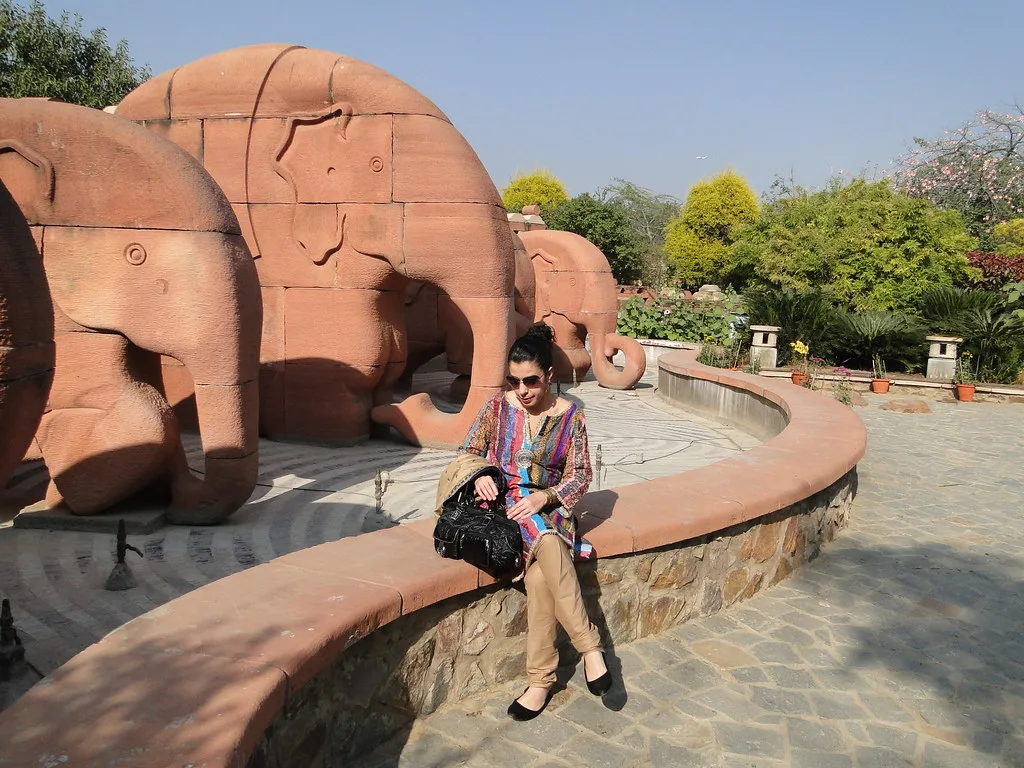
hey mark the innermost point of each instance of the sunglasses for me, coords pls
(530, 382)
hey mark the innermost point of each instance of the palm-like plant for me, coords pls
(991, 332)
(946, 306)
(873, 334)
(986, 321)
(805, 315)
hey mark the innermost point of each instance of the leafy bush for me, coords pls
(945, 306)
(672, 318)
(541, 187)
(808, 316)
(606, 227)
(874, 336)
(863, 244)
(989, 324)
(996, 268)
(1008, 237)
(697, 241)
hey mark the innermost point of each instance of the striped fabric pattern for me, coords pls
(561, 462)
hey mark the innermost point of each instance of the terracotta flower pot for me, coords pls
(965, 392)
(879, 386)
(799, 377)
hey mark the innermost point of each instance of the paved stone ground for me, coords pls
(902, 645)
(307, 495)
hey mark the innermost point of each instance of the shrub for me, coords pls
(541, 187)
(1008, 237)
(996, 268)
(606, 227)
(866, 246)
(673, 318)
(876, 336)
(808, 316)
(992, 330)
(697, 241)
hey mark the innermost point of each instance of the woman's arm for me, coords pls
(484, 429)
(578, 474)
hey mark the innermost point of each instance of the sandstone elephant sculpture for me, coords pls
(434, 330)
(349, 185)
(143, 256)
(26, 335)
(575, 294)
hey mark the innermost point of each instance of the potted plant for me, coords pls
(879, 376)
(799, 373)
(965, 378)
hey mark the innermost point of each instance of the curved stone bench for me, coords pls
(330, 650)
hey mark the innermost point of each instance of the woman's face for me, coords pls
(528, 381)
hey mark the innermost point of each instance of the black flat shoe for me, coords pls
(518, 712)
(601, 685)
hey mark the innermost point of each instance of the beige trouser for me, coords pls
(553, 597)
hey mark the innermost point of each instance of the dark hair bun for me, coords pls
(534, 346)
(541, 331)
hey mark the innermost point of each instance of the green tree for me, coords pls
(648, 214)
(1008, 237)
(541, 187)
(698, 240)
(40, 56)
(606, 227)
(867, 246)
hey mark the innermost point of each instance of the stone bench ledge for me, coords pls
(196, 681)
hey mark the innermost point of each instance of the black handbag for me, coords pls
(482, 536)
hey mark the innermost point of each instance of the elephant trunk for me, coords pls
(223, 361)
(466, 252)
(228, 423)
(604, 343)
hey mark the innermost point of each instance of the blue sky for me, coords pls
(597, 90)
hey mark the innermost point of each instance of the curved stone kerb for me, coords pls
(198, 679)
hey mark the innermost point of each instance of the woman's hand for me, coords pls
(528, 505)
(486, 488)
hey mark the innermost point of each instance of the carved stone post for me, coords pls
(942, 357)
(764, 345)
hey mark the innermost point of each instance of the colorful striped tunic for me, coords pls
(561, 463)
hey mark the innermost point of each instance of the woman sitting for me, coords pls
(539, 441)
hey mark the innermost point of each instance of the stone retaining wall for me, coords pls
(735, 406)
(318, 654)
(467, 644)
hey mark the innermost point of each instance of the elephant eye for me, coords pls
(135, 254)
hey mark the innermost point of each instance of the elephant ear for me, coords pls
(317, 229)
(291, 161)
(29, 177)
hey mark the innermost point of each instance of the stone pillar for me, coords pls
(764, 345)
(942, 357)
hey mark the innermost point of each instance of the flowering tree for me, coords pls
(977, 169)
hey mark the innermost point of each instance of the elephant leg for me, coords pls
(106, 436)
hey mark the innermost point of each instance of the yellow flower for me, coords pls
(800, 348)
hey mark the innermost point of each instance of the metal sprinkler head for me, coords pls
(12, 653)
(121, 577)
